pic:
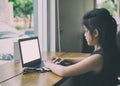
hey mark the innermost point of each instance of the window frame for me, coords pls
(44, 25)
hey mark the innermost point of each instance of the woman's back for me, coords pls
(103, 78)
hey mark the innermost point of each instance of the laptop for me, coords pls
(30, 54)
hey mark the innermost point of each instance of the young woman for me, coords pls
(101, 67)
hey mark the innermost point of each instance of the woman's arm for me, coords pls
(75, 59)
(91, 63)
(67, 61)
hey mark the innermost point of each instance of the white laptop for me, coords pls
(31, 55)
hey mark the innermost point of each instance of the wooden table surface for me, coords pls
(11, 74)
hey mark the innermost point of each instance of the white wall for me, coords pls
(6, 12)
(2, 10)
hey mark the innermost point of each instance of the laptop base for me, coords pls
(27, 70)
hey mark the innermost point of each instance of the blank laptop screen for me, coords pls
(29, 50)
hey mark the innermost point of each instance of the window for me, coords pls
(113, 6)
(45, 23)
(16, 21)
(42, 25)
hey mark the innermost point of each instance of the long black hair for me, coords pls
(101, 20)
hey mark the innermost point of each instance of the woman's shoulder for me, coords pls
(100, 51)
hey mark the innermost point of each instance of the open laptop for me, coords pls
(30, 53)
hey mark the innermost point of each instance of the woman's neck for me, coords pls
(97, 47)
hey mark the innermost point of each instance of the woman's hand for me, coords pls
(61, 61)
(57, 60)
(47, 64)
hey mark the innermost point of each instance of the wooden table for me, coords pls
(9, 70)
(11, 74)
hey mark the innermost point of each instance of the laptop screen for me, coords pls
(29, 49)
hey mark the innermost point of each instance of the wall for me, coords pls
(69, 24)
(6, 12)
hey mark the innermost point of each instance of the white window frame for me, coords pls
(40, 24)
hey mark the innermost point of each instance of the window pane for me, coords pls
(108, 4)
(16, 21)
(113, 6)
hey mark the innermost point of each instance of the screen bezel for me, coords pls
(31, 63)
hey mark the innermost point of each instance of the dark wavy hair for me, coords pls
(101, 20)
